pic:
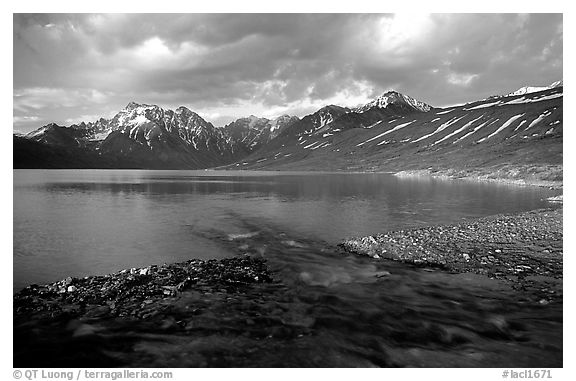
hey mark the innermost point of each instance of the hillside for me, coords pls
(515, 137)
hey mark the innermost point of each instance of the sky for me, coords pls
(69, 68)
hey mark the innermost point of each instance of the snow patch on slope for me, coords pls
(441, 128)
(474, 130)
(484, 105)
(539, 119)
(458, 130)
(506, 124)
(385, 133)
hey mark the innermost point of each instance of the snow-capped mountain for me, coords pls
(534, 89)
(149, 124)
(279, 124)
(334, 120)
(395, 100)
(56, 135)
(148, 136)
(326, 115)
(314, 122)
(254, 132)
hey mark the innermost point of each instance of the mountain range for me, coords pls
(253, 132)
(518, 135)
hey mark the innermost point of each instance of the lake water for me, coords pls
(354, 311)
(83, 222)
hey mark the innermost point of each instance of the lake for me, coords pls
(84, 222)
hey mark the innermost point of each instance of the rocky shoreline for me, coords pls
(91, 321)
(525, 249)
(131, 292)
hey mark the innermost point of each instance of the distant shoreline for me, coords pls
(481, 178)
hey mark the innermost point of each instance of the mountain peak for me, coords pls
(134, 105)
(332, 108)
(393, 97)
(185, 111)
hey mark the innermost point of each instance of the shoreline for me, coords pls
(523, 249)
(448, 175)
(129, 291)
(441, 174)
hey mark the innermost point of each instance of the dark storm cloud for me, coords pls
(70, 66)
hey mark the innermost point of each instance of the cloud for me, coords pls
(38, 98)
(231, 65)
(461, 79)
(24, 119)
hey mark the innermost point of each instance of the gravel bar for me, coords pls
(524, 248)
